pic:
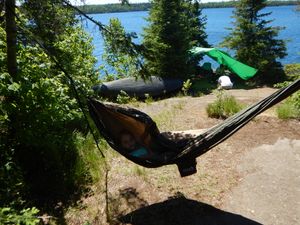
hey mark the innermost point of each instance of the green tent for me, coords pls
(242, 70)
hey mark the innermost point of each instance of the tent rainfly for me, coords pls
(242, 70)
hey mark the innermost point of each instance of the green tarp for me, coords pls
(242, 70)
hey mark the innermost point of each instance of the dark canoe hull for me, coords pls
(155, 87)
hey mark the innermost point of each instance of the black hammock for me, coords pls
(112, 119)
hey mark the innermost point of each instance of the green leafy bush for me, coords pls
(39, 115)
(123, 98)
(288, 110)
(292, 71)
(223, 107)
(24, 217)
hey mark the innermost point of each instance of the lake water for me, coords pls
(218, 19)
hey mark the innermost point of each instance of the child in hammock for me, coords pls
(129, 142)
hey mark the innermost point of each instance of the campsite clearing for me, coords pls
(255, 173)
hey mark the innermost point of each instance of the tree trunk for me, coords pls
(11, 51)
(11, 37)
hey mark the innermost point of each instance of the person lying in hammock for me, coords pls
(129, 143)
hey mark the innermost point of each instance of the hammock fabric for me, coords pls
(112, 119)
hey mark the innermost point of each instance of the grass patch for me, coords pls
(224, 107)
(90, 163)
(148, 99)
(140, 171)
(288, 110)
(165, 120)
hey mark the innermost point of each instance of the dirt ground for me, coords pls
(251, 178)
(269, 190)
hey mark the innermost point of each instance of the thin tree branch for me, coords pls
(99, 24)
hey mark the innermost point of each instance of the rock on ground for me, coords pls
(270, 190)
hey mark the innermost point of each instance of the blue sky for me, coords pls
(90, 2)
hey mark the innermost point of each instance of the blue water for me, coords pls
(217, 21)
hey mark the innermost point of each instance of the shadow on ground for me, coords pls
(180, 210)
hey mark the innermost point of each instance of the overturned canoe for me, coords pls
(154, 87)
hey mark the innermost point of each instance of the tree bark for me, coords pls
(11, 51)
(11, 37)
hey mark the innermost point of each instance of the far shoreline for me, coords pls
(144, 7)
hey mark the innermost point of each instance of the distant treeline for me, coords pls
(111, 8)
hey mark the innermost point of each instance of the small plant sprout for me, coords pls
(123, 98)
(186, 86)
(148, 99)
